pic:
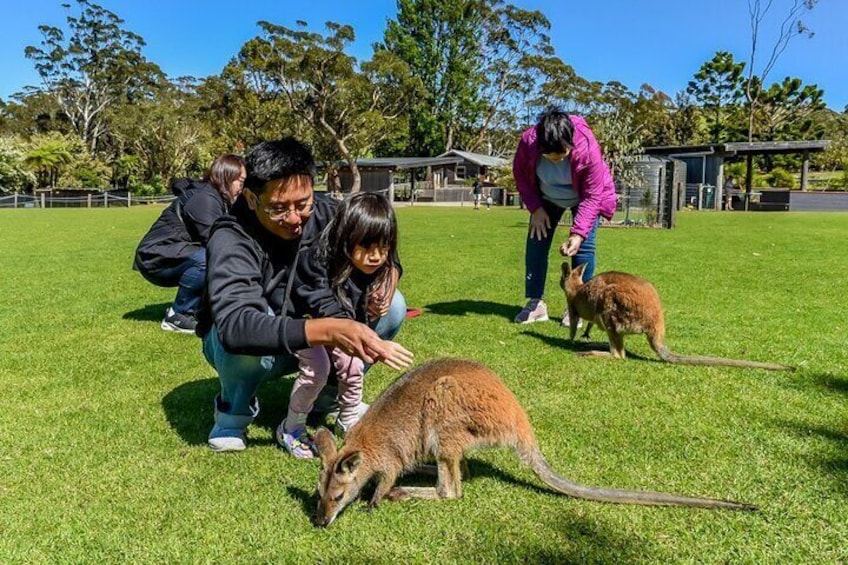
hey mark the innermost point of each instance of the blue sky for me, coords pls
(659, 42)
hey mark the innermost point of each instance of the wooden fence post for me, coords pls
(42, 200)
(105, 198)
(89, 200)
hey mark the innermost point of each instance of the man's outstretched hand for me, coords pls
(358, 340)
(394, 355)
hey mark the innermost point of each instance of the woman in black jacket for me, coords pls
(173, 252)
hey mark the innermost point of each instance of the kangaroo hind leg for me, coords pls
(616, 341)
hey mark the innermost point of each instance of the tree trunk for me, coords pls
(751, 121)
(351, 160)
(357, 178)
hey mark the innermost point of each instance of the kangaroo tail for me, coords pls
(534, 459)
(666, 355)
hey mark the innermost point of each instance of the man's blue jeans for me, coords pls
(537, 252)
(241, 375)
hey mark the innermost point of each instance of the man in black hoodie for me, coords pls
(249, 328)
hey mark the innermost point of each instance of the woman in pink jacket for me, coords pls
(558, 165)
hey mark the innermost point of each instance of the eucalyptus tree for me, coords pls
(654, 110)
(512, 42)
(242, 105)
(791, 26)
(32, 112)
(686, 122)
(611, 108)
(90, 66)
(560, 85)
(353, 106)
(164, 133)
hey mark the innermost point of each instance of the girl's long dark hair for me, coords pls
(365, 218)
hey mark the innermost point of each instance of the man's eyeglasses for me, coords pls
(303, 208)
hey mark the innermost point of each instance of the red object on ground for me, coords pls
(413, 312)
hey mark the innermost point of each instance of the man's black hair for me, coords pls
(274, 160)
(554, 130)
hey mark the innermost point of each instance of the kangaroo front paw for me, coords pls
(397, 493)
(372, 505)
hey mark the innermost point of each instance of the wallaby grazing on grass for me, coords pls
(621, 303)
(436, 412)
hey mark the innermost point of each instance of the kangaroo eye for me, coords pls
(338, 498)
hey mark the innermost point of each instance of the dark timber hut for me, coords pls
(378, 174)
(705, 163)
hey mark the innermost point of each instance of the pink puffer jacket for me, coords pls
(590, 175)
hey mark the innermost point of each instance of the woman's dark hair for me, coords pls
(366, 219)
(278, 160)
(224, 171)
(554, 130)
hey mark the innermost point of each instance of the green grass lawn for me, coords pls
(104, 416)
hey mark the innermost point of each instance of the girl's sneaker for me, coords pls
(341, 430)
(297, 442)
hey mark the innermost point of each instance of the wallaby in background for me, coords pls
(621, 303)
(436, 412)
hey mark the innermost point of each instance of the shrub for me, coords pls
(780, 177)
(842, 182)
(14, 175)
(157, 186)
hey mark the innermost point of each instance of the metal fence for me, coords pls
(121, 199)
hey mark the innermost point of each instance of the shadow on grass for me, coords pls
(833, 460)
(580, 346)
(307, 499)
(831, 382)
(476, 469)
(149, 313)
(588, 541)
(463, 307)
(190, 411)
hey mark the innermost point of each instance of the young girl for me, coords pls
(355, 260)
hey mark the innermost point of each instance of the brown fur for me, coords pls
(438, 411)
(621, 303)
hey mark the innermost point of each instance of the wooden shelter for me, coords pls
(473, 165)
(378, 174)
(713, 155)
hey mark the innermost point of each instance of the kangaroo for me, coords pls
(438, 411)
(621, 304)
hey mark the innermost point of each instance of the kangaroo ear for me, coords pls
(326, 445)
(566, 268)
(349, 463)
(579, 269)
